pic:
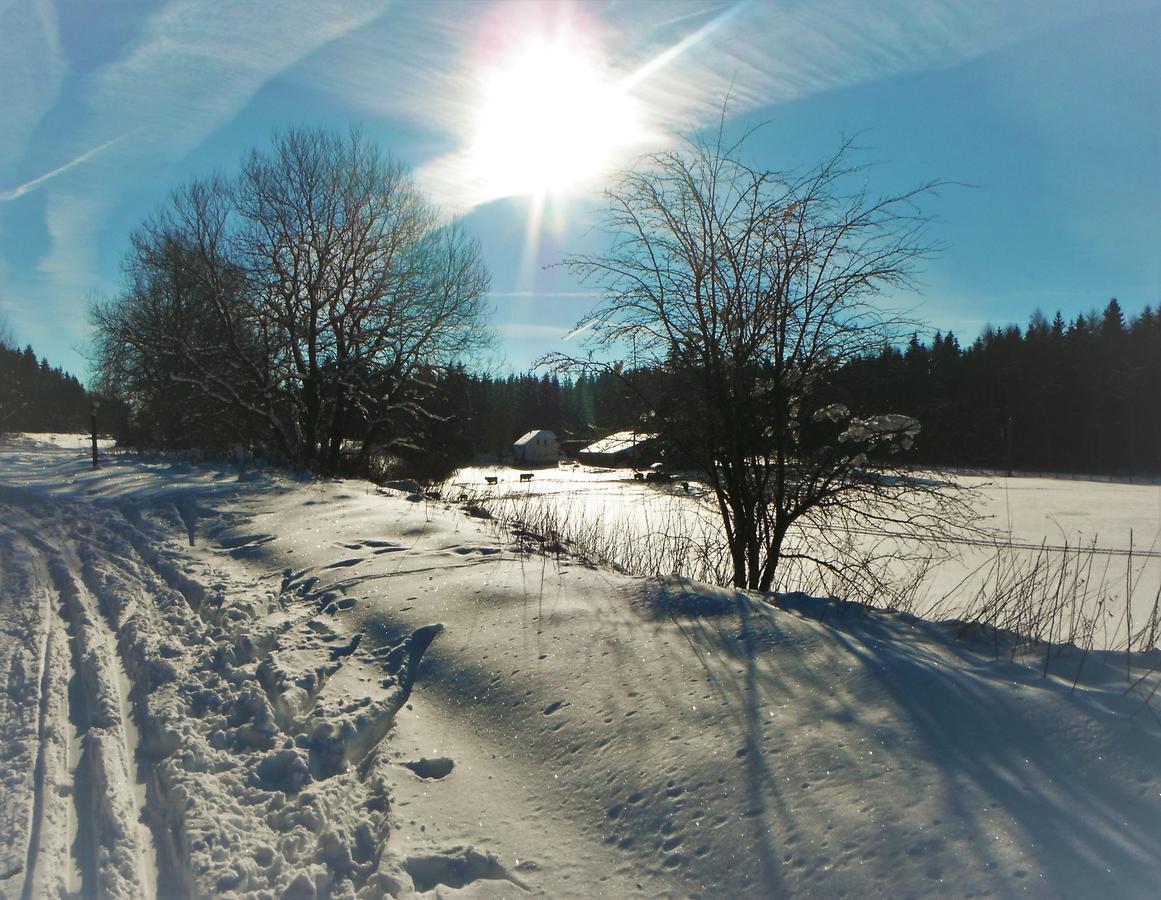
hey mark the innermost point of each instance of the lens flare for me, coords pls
(550, 119)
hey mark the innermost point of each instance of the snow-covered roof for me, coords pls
(534, 435)
(619, 442)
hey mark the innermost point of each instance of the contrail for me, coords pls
(671, 53)
(32, 185)
(580, 329)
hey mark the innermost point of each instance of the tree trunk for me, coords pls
(337, 432)
(311, 408)
(773, 557)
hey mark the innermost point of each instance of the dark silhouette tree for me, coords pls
(308, 300)
(751, 290)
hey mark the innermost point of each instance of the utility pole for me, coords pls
(93, 428)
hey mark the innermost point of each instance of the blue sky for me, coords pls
(1050, 109)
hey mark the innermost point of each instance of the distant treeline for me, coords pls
(34, 396)
(1081, 396)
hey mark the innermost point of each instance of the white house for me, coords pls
(536, 448)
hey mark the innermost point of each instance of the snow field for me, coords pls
(1082, 549)
(646, 727)
(262, 736)
(100, 744)
(341, 691)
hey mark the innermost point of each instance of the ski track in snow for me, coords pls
(85, 737)
(255, 772)
(226, 685)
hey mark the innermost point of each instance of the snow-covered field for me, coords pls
(225, 684)
(1107, 534)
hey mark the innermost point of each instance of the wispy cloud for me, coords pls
(544, 295)
(198, 63)
(191, 67)
(686, 43)
(33, 184)
(764, 54)
(32, 71)
(681, 70)
(194, 65)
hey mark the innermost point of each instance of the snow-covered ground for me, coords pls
(237, 684)
(1107, 535)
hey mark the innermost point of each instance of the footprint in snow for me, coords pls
(456, 867)
(344, 563)
(435, 768)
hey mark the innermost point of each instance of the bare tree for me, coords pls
(743, 292)
(163, 345)
(316, 291)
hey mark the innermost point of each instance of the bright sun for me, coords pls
(549, 121)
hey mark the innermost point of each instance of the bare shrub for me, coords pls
(682, 535)
(743, 293)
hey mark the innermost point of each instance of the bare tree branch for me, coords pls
(300, 302)
(746, 291)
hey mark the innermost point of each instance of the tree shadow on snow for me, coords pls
(1070, 774)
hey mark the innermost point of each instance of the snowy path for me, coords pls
(256, 716)
(243, 686)
(85, 831)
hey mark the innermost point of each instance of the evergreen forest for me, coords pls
(35, 396)
(1080, 396)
